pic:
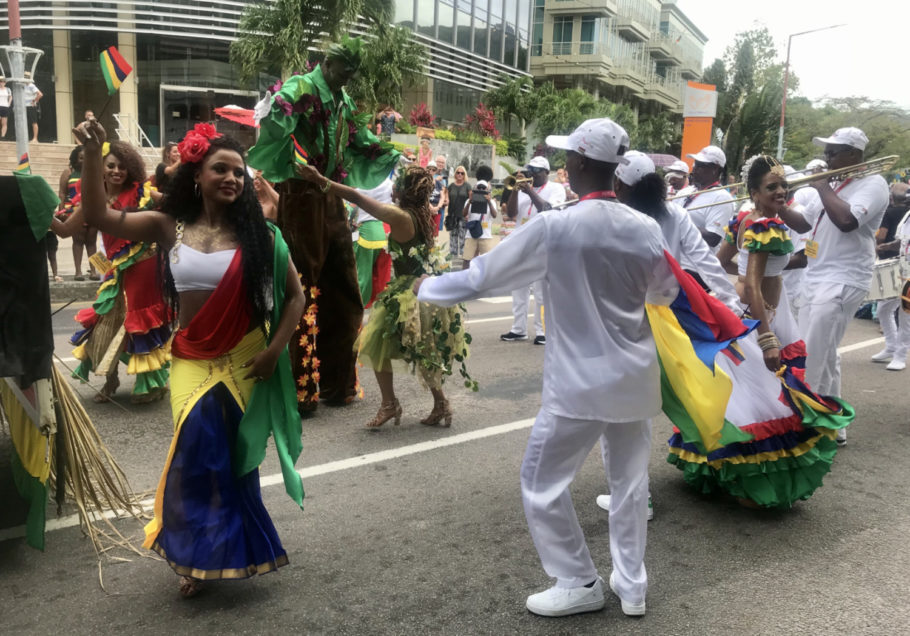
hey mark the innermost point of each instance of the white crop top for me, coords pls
(197, 271)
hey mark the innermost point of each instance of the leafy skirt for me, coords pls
(424, 337)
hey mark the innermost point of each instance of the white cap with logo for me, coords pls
(816, 164)
(599, 139)
(539, 162)
(639, 165)
(710, 154)
(853, 137)
(678, 166)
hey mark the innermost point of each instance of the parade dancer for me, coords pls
(532, 199)
(238, 300)
(315, 110)
(841, 255)
(599, 261)
(371, 247)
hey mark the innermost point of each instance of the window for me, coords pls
(426, 18)
(562, 35)
(463, 37)
(446, 21)
(588, 35)
(537, 28)
(480, 27)
(404, 13)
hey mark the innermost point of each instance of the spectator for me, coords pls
(170, 161)
(387, 118)
(32, 97)
(562, 178)
(459, 192)
(6, 101)
(89, 115)
(481, 209)
(440, 196)
(425, 153)
(85, 237)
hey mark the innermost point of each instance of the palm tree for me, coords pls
(276, 35)
(392, 60)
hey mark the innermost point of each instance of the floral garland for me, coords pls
(196, 143)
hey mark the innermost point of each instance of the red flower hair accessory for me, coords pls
(196, 143)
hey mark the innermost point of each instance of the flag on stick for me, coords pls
(114, 68)
(300, 155)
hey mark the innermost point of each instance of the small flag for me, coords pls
(114, 68)
(23, 166)
(300, 155)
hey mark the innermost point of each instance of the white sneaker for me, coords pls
(603, 501)
(629, 609)
(841, 439)
(882, 356)
(897, 364)
(563, 601)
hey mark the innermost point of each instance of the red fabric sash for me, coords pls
(222, 322)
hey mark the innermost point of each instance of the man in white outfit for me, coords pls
(793, 274)
(533, 198)
(841, 253)
(599, 261)
(710, 211)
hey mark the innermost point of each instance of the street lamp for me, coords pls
(783, 105)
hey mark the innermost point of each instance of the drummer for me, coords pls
(841, 253)
(894, 242)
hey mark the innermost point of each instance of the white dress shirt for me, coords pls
(599, 261)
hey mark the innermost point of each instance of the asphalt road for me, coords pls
(415, 530)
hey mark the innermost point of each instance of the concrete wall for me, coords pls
(457, 153)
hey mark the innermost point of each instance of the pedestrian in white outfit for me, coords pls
(639, 186)
(599, 262)
(841, 254)
(530, 200)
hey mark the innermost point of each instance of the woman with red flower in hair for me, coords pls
(129, 315)
(238, 300)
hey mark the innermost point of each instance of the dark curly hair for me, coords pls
(761, 165)
(244, 216)
(649, 196)
(74, 157)
(414, 187)
(130, 159)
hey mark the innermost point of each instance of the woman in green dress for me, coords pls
(427, 338)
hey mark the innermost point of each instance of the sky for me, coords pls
(868, 56)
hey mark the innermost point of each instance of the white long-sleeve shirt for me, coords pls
(687, 246)
(599, 261)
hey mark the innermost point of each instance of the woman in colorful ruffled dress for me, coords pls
(787, 432)
(238, 299)
(430, 339)
(129, 318)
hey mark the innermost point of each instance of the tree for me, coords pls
(511, 99)
(392, 60)
(762, 50)
(274, 36)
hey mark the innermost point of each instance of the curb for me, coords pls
(73, 290)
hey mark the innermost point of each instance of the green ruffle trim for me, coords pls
(151, 381)
(777, 244)
(831, 421)
(35, 493)
(107, 296)
(82, 371)
(772, 484)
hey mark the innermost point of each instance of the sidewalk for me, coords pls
(71, 289)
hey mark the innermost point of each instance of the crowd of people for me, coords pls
(237, 279)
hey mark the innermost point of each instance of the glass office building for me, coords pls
(179, 51)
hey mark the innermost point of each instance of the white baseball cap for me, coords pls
(482, 185)
(678, 166)
(639, 165)
(599, 139)
(853, 137)
(710, 154)
(816, 164)
(539, 162)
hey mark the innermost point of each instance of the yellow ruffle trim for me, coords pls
(145, 362)
(758, 458)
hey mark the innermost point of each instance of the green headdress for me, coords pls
(348, 51)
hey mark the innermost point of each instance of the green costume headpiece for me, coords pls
(348, 51)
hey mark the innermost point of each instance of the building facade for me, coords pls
(636, 52)
(179, 52)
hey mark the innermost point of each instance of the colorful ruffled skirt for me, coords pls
(792, 429)
(426, 338)
(209, 523)
(128, 322)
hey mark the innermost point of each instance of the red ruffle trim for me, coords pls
(87, 317)
(145, 319)
(770, 428)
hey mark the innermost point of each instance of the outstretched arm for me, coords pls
(401, 226)
(153, 227)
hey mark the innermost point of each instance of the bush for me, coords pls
(401, 146)
(502, 147)
(404, 127)
(517, 147)
(421, 116)
(445, 135)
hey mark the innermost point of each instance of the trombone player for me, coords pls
(840, 223)
(532, 196)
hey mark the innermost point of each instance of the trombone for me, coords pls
(511, 182)
(864, 169)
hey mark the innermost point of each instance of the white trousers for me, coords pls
(823, 321)
(520, 300)
(896, 327)
(557, 448)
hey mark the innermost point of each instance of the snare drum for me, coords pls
(887, 281)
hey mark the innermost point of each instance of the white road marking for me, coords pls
(496, 300)
(495, 319)
(361, 460)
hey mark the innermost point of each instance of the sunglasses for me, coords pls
(836, 150)
(459, 172)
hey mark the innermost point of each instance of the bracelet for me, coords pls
(325, 188)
